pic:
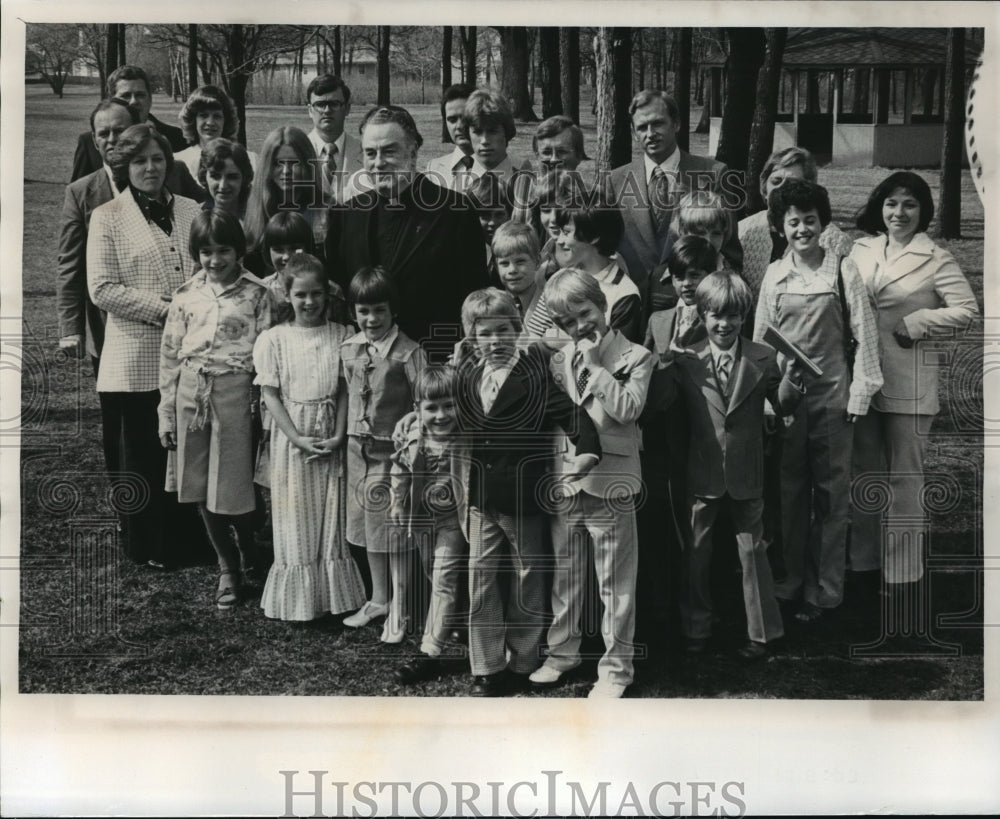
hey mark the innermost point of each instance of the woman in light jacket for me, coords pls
(919, 292)
(137, 256)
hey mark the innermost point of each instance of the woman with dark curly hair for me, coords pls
(137, 256)
(918, 291)
(209, 113)
(816, 299)
(226, 173)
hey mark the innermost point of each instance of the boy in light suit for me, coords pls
(723, 381)
(608, 376)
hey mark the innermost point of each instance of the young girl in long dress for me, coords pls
(301, 377)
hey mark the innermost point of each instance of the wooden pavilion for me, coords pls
(863, 97)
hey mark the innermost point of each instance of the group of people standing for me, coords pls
(499, 367)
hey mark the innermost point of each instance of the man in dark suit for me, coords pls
(128, 83)
(427, 238)
(649, 189)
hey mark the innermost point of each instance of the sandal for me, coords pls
(226, 597)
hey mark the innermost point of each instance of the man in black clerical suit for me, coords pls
(427, 238)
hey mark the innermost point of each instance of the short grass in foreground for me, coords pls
(168, 637)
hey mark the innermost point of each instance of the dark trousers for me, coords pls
(154, 525)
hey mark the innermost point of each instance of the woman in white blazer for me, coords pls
(137, 256)
(918, 291)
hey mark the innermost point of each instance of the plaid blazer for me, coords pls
(131, 265)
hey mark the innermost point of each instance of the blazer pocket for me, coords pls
(136, 329)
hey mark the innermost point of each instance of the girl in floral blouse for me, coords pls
(206, 364)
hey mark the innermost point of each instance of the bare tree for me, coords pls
(569, 65)
(682, 85)
(192, 51)
(57, 46)
(110, 55)
(515, 56)
(468, 36)
(613, 52)
(762, 132)
(950, 210)
(746, 55)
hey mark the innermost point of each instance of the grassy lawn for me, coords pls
(165, 635)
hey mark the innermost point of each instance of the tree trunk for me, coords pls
(111, 57)
(338, 51)
(950, 210)
(192, 63)
(383, 64)
(122, 59)
(238, 77)
(705, 120)
(552, 95)
(682, 87)
(746, 55)
(469, 38)
(446, 46)
(514, 57)
(762, 132)
(640, 59)
(613, 47)
(569, 65)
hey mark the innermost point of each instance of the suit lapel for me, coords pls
(705, 377)
(640, 216)
(513, 389)
(140, 235)
(420, 223)
(744, 379)
(915, 256)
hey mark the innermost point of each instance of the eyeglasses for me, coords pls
(327, 105)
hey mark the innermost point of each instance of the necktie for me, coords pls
(723, 368)
(582, 374)
(330, 160)
(659, 197)
(686, 321)
(489, 390)
(460, 174)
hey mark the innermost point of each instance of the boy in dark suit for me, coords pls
(723, 381)
(508, 404)
(663, 521)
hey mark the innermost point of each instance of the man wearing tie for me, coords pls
(649, 189)
(339, 153)
(451, 170)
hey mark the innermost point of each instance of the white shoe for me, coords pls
(606, 690)
(545, 675)
(368, 612)
(394, 630)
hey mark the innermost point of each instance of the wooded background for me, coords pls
(540, 70)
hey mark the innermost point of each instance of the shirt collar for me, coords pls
(115, 193)
(506, 368)
(456, 158)
(505, 168)
(381, 346)
(200, 279)
(668, 165)
(733, 351)
(316, 138)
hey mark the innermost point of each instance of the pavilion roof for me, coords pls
(829, 48)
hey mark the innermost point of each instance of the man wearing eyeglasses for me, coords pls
(339, 153)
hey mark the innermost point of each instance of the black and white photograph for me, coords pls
(433, 409)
